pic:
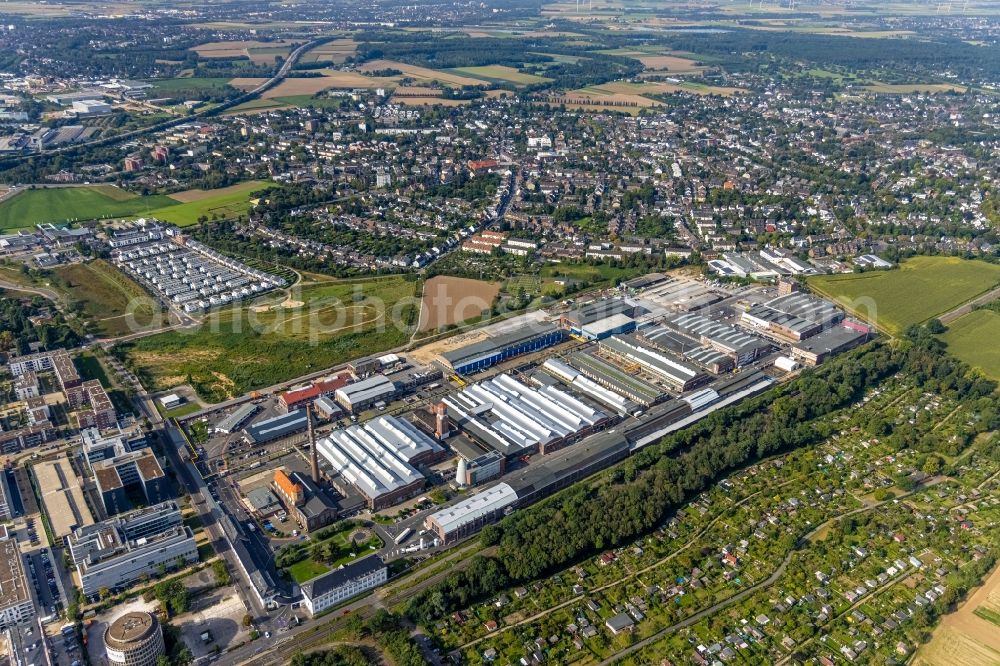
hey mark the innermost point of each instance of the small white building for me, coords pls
(170, 401)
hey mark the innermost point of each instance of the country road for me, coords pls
(278, 77)
(41, 291)
(966, 308)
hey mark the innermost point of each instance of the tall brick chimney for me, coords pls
(441, 427)
(312, 444)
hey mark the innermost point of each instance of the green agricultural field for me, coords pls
(187, 87)
(60, 205)
(973, 338)
(501, 73)
(275, 339)
(228, 202)
(921, 288)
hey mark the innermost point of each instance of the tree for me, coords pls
(247, 620)
(936, 327)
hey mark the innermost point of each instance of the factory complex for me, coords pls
(507, 415)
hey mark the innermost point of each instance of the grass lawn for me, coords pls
(921, 288)
(973, 337)
(589, 273)
(307, 569)
(178, 412)
(106, 296)
(226, 202)
(243, 349)
(90, 368)
(59, 205)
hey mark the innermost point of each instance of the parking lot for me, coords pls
(219, 614)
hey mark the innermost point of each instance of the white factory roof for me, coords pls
(481, 504)
(611, 323)
(582, 384)
(371, 458)
(408, 441)
(652, 359)
(515, 416)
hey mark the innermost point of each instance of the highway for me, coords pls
(278, 77)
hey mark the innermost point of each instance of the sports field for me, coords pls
(226, 202)
(279, 337)
(973, 338)
(60, 205)
(921, 288)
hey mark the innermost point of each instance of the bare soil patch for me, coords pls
(452, 300)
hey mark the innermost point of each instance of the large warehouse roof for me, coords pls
(236, 419)
(484, 503)
(276, 427)
(721, 334)
(808, 307)
(469, 353)
(511, 416)
(373, 388)
(674, 371)
(371, 458)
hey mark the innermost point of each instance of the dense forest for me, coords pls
(967, 61)
(641, 493)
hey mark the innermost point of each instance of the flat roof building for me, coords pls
(276, 427)
(481, 355)
(471, 514)
(123, 562)
(365, 393)
(91, 540)
(583, 315)
(608, 326)
(139, 470)
(15, 597)
(62, 495)
(235, 421)
(832, 341)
